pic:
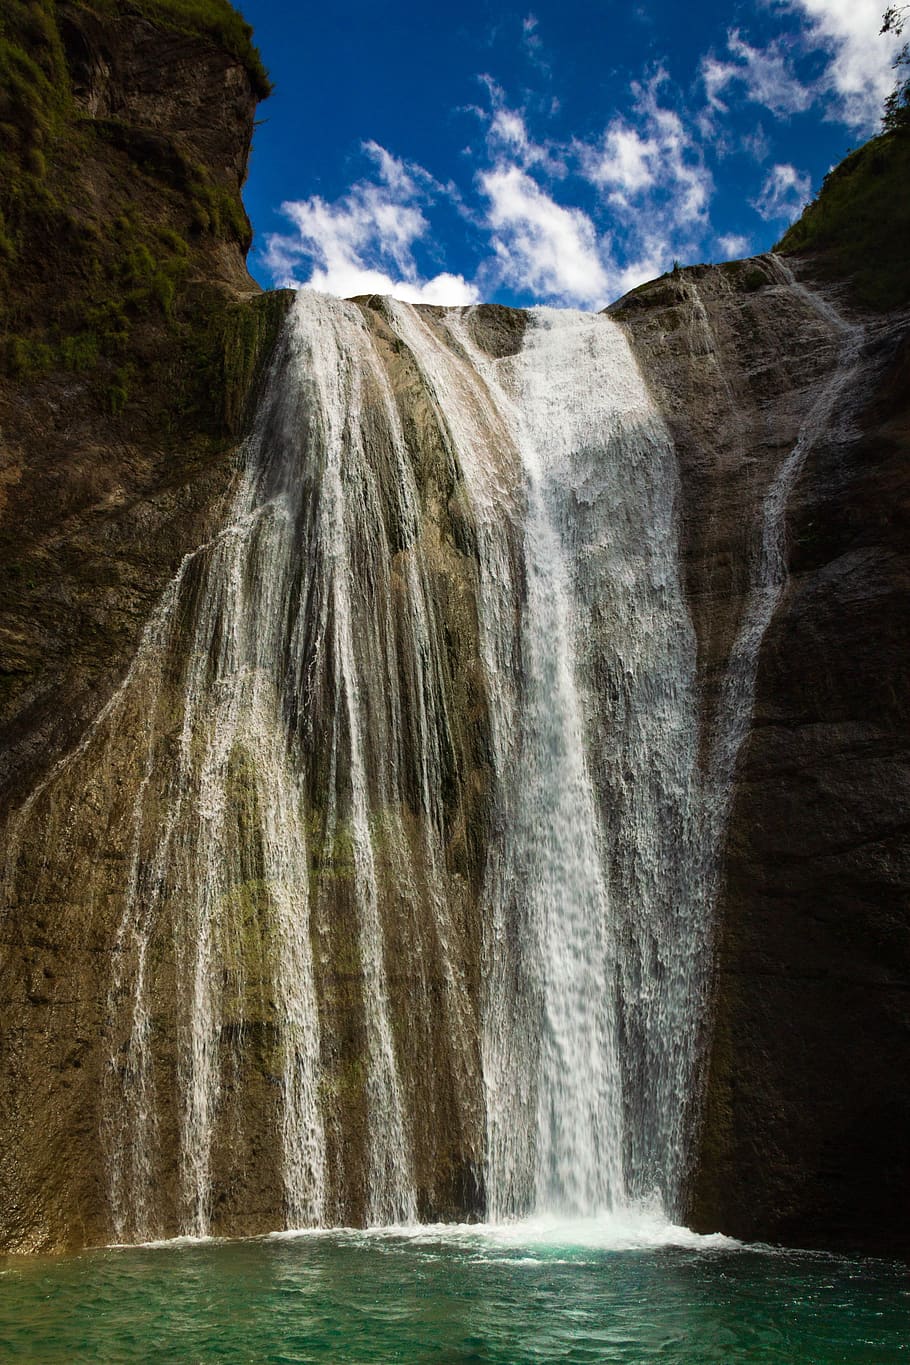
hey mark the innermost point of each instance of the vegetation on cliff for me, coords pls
(132, 337)
(110, 225)
(858, 227)
(216, 18)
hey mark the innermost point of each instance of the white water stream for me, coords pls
(594, 916)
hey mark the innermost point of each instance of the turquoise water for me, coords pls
(529, 1294)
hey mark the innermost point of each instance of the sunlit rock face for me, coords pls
(499, 804)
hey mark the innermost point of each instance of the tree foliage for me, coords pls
(896, 113)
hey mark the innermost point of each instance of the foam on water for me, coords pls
(635, 1228)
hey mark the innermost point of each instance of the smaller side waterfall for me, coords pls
(220, 853)
(768, 567)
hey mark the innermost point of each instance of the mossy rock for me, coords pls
(216, 19)
(111, 293)
(859, 225)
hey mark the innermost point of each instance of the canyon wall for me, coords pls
(131, 339)
(132, 358)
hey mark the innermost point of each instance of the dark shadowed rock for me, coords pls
(805, 1109)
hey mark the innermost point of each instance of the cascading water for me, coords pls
(287, 717)
(432, 686)
(594, 911)
(767, 568)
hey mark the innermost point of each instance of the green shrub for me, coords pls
(119, 391)
(163, 290)
(7, 246)
(23, 357)
(80, 352)
(101, 290)
(138, 266)
(172, 240)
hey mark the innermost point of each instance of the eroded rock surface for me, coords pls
(805, 1109)
(134, 345)
(132, 336)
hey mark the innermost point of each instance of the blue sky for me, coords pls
(557, 151)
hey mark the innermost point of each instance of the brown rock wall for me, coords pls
(111, 470)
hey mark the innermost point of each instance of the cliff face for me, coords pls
(131, 353)
(804, 1115)
(131, 338)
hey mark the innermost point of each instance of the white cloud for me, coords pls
(541, 246)
(575, 221)
(783, 193)
(756, 143)
(363, 243)
(715, 77)
(651, 151)
(348, 282)
(853, 83)
(859, 75)
(625, 161)
(766, 75)
(533, 43)
(646, 267)
(734, 246)
(507, 135)
(529, 35)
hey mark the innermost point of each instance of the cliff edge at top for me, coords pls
(857, 228)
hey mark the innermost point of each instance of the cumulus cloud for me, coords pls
(576, 221)
(783, 193)
(507, 135)
(625, 161)
(647, 266)
(651, 150)
(852, 85)
(540, 245)
(363, 243)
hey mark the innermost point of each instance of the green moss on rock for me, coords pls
(108, 232)
(859, 225)
(216, 19)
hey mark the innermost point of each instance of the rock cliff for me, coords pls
(130, 338)
(804, 1109)
(132, 350)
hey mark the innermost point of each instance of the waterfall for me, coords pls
(767, 566)
(594, 909)
(396, 825)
